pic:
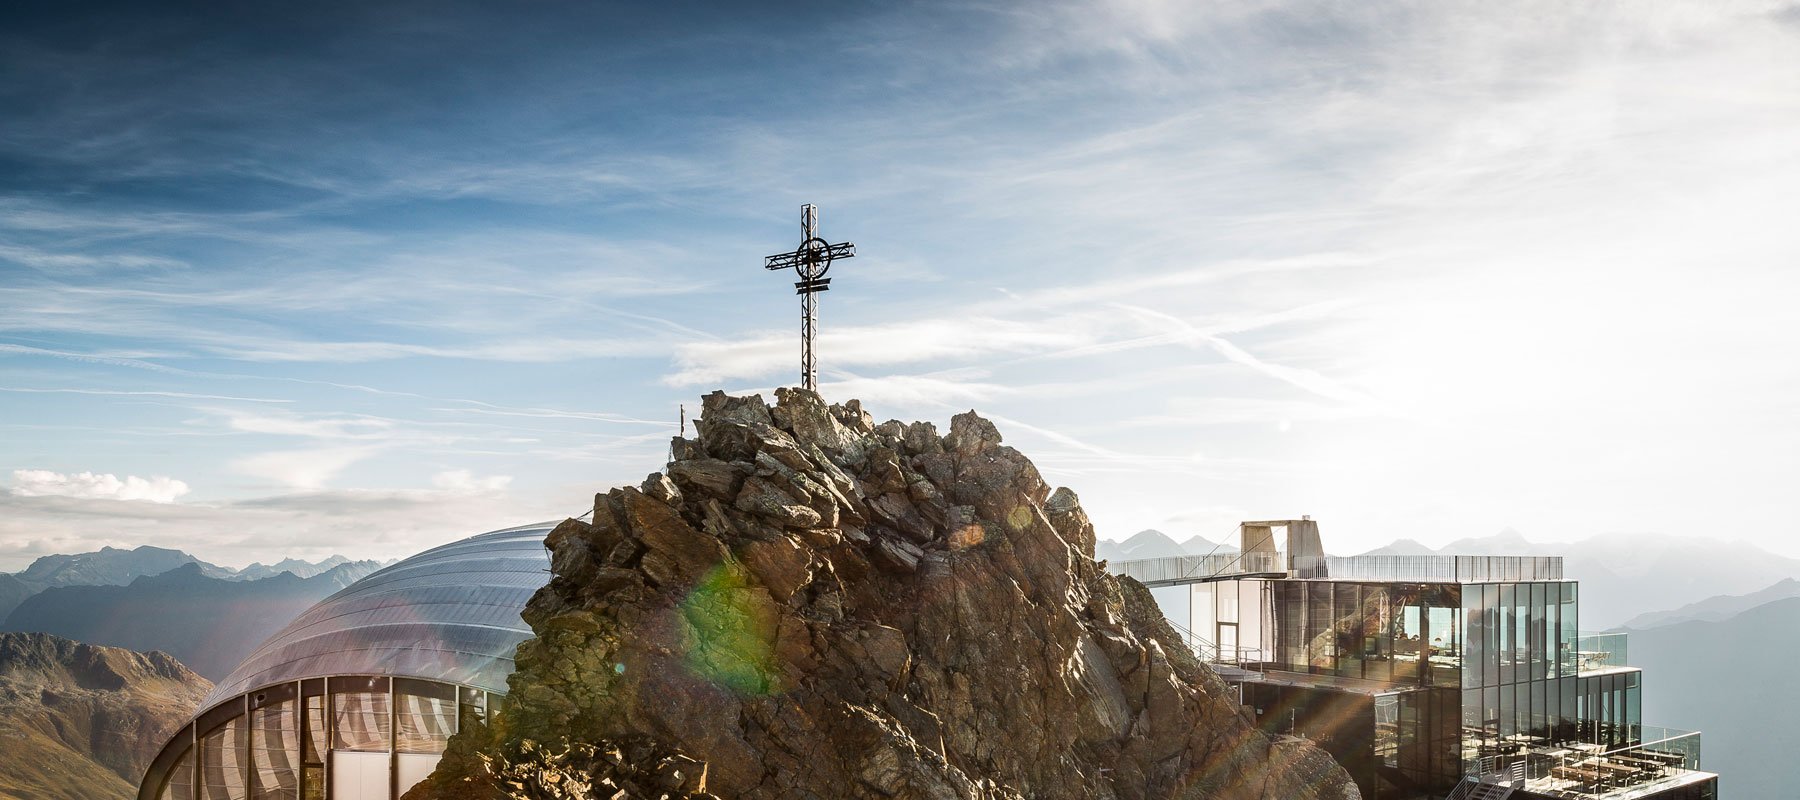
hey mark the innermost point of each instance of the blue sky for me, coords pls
(361, 277)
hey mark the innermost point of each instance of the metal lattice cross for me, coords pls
(810, 261)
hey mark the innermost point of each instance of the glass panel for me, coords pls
(313, 782)
(360, 721)
(1444, 626)
(1540, 725)
(1634, 709)
(181, 777)
(1321, 655)
(1474, 628)
(1347, 631)
(1202, 615)
(274, 746)
(1409, 635)
(474, 707)
(1567, 723)
(313, 742)
(425, 724)
(1541, 627)
(1490, 599)
(1226, 597)
(1566, 636)
(1508, 650)
(1521, 632)
(1507, 726)
(1473, 733)
(222, 762)
(1387, 731)
(1292, 631)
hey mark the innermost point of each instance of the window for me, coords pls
(222, 762)
(181, 777)
(425, 717)
(360, 721)
(274, 747)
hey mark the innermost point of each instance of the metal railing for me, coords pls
(1661, 754)
(1176, 570)
(1236, 656)
(1600, 650)
(1446, 569)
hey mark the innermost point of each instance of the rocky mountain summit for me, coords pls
(806, 604)
(80, 722)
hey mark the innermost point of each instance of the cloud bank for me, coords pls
(92, 486)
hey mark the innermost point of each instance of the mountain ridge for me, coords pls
(82, 721)
(1152, 543)
(209, 623)
(117, 566)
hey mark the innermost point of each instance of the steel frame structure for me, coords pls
(811, 260)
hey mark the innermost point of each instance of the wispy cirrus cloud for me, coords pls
(122, 393)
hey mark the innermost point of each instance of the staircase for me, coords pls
(1472, 789)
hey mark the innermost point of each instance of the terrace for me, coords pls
(1660, 759)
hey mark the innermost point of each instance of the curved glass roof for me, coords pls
(449, 614)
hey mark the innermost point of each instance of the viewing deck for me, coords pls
(1660, 759)
(1181, 570)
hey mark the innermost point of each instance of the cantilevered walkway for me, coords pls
(1257, 557)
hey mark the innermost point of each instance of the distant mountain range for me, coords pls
(209, 623)
(1717, 608)
(1152, 543)
(80, 722)
(112, 566)
(1730, 679)
(1624, 576)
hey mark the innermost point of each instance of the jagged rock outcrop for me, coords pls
(81, 722)
(806, 604)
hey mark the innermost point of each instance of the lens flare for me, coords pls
(729, 633)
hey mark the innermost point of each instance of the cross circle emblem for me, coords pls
(812, 259)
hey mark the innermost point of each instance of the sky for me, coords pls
(362, 278)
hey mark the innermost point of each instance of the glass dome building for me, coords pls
(356, 698)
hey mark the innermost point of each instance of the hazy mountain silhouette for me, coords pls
(113, 566)
(208, 623)
(1152, 543)
(1624, 575)
(1730, 679)
(109, 566)
(1402, 547)
(12, 592)
(1717, 608)
(81, 722)
(301, 569)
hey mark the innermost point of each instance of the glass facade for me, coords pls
(1405, 633)
(278, 750)
(1448, 674)
(358, 696)
(1519, 681)
(1610, 706)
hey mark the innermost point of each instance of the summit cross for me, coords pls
(810, 261)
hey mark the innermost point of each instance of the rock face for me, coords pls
(809, 605)
(80, 722)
